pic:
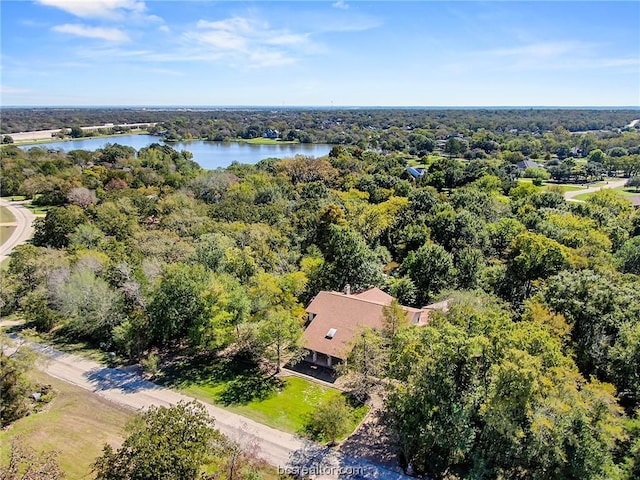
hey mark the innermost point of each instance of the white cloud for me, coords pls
(542, 49)
(288, 39)
(114, 9)
(109, 34)
(6, 90)
(558, 56)
(247, 41)
(340, 4)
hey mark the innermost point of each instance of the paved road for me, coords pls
(23, 230)
(48, 134)
(126, 387)
(570, 196)
(289, 453)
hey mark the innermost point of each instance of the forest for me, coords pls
(534, 372)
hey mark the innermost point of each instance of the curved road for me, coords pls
(289, 453)
(570, 196)
(23, 230)
(125, 386)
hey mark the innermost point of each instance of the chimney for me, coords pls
(347, 289)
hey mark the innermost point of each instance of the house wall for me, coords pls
(321, 359)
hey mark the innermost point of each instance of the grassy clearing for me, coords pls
(35, 209)
(285, 409)
(5, 232)
(244, 389)
(35, 143)
(564, 188)
(6, 216)
(76, 424)
(623, 191)
(38, 210)
(264, 141)
(14, 198)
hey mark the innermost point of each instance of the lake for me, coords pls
(209, 155)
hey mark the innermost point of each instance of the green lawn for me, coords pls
(285, 409)
(563, 187)
(624, 191)
(35, 209)
(264, 141)
(14, 198)
(76, 424)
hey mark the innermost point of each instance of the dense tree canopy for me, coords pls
(532, 375)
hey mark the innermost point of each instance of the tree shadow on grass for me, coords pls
(247, 388)
(242, 381)
(183, 372)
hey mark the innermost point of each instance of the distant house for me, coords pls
(523, 165)
(335, 319)
(416, 172)
(271, 134)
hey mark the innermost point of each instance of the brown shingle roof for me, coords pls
(348, 314)
(375, 295)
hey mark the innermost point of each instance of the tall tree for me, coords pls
(431, 270)
(280, 336)
(349, 260)
(164, 443)
(178, 302)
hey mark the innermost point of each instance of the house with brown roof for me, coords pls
(336, 318)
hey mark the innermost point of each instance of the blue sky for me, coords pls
(417, 53)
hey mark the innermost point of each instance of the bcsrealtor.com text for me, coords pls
(320, 470)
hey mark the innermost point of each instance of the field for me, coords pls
(76, 424)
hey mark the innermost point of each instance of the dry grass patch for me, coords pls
(76, 424)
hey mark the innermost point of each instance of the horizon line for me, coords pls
(331, 107)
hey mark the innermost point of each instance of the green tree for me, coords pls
(14, 385)
(455, 147)
(280, 336)
(54, 230)
(431, 270)
(597, 156)
(393, 318)
(532, 257)
(602, 310)
(171, 443)
(631, 448)
(628, 256)
(25, 463)
(329, 420)
(178, 302)
(76, 132)
(487, 397)
(91, 306)
(366, 363)
(349, 260)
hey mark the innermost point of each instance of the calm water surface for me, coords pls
(209, 155)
